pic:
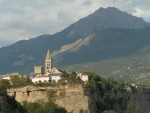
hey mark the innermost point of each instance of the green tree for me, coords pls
(28, 80)
(2, 112)
(51, 94)
(131, 109)
(108, 111)
(47, 107)
(81, 111)
(64, 75)
(18, 80)
(4, 84)
(72, 78)
(32, 107)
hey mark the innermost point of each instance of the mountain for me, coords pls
(106, 34)
(103, 19)
(122, 54)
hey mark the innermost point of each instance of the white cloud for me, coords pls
(30, 18)
(142, 12)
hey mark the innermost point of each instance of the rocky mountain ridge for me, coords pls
(104, 19)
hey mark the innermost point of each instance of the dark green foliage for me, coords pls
(13, 102)
(28, 80)
(132, 109)
(111, 100)
(21, 109)
(101, 106)
(51, 94)
(48, 107)
(42, 84)
(4, 84)
(82, 111)
(18, 81)
(32, 107)
(107, 90)
(72, 78)
(12, 106)
(64, 75)
(109, 111)
(69, 78)
(94, 80)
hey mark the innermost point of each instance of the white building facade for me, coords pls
(41, 78)
(55, 77)
(83, 77)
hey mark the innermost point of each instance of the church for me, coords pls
(51, 73)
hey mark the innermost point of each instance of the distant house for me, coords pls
(83, 77)
(128, 88)
(6, 78)
(40, 78)
(55, 77)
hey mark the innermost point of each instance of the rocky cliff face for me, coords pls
(71, 98)
(29, 94)
(74, 98)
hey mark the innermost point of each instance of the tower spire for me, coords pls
(48, 54)
(48, 62)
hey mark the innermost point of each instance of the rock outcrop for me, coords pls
(75, 98)
(71, 98)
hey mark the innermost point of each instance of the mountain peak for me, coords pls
(107, 9)
(106, 18)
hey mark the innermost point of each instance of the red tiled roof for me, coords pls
(43, 76)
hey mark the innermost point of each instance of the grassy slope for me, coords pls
(133, 69)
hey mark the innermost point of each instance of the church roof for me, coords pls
(43, 76)
(48, 54)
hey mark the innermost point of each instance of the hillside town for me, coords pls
(47, 74)
(76, 91)
(51, 73)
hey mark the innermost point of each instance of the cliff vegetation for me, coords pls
(71, 94)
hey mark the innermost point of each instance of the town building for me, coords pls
(38, 69)
(48, 63)
(55, 70)
(40, 78)
(55, 77)
(83, 77)
(51, 73)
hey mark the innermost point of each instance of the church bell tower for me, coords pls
(48, 63)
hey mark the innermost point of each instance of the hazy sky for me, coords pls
(24, 19)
